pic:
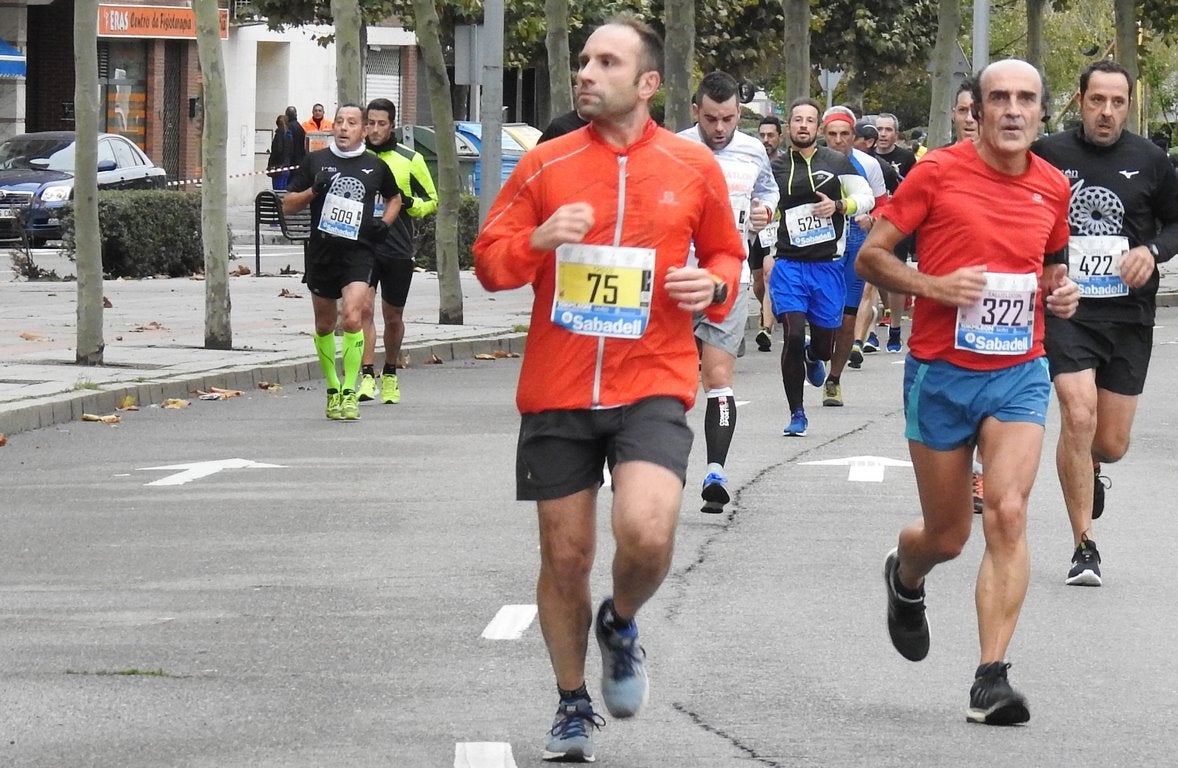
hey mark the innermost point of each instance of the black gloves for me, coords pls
(380, 231)
(323, 180)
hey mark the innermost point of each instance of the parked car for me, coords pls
(37, 179)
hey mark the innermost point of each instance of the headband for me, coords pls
(840, 116)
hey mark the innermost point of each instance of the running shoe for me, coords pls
(1085, 571)
(624, 684)
(366, 392)
(979, 499)
(390, 390)
(991, 699)
(570, 740)
(894, 343)
(333, 405)
(907, 624)
(797, 424)
(764, 340)
(815, 369)
(832, 394)
(872, 343)
(1100, 482)
(715, 493)
(349, 406)
(856, 358)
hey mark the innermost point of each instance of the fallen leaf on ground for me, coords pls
(241, 271)
(106, 303)
(152, 326)
(286, 293)
(502, 353)
(269, 386)
(109, 419)
(127, 404)
(27, 336)
(193, 277)
(3, 441)
(484, 356)
(216, 393)
(174, 402)
(434, 360)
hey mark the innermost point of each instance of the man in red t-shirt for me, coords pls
(993, 241)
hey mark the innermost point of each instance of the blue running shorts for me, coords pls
(815, 288)
(945, 404)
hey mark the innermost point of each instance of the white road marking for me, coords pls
(200, 469)
(483, 754)
(510, 622)
(863, 469)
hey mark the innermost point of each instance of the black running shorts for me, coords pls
(1118, 352)
(394, 277)
(327, 278)
(562, 452)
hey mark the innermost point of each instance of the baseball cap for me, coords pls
(865, 130)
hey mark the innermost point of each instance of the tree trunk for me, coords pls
(941, 103)
(89, 236)
(680, 62)
(213, 189)
(556, 41)
(1125, 20)
(1035, 33)
(349, 80)
(797, 49)
(438, 81)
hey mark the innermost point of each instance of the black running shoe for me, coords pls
(764, 340)
(1085, 571)
(991, 699)
(907, 624)
(1100, 482)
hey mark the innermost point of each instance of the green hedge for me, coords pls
(145, 233)
(424, 247)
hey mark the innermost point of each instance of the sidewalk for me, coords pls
(154, 335)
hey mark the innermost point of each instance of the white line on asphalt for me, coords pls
(510, 622)
(483, 754)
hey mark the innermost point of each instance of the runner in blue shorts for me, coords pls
(993, 234)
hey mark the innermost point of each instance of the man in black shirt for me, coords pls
(1124, 222)
(341, 183)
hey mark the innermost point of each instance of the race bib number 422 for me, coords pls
(603, 290)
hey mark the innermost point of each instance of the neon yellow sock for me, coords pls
(325, 346)
(353, 354)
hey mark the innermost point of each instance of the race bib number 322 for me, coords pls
(1003, 322)
(603, 290)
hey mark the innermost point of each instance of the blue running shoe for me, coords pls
(715, 493)
(624, 684)
(894, 343)
(570, 740)
(815, 370)
(797, 424)
(872, 343)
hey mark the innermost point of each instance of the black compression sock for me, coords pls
(580, 693)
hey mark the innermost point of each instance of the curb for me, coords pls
(69, 406)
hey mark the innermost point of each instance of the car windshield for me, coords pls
(52, 154)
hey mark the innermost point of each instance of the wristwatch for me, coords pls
(719, 291)
(1153, 248)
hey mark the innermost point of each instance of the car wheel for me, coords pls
(38, 242)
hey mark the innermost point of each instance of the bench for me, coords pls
(295, 227)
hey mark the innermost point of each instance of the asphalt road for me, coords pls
(330, 610)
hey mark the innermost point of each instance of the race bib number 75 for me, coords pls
(603, 290)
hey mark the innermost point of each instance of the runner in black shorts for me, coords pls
(341, 184)
(394, 266)
(1124, 221)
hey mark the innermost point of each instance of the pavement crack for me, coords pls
(677, 581)
(751, 753)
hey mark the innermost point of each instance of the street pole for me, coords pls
(491, 152)
(981, 35)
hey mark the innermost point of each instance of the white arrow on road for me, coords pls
(863, 469)
(199, 469)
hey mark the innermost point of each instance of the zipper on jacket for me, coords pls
(617, 242)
